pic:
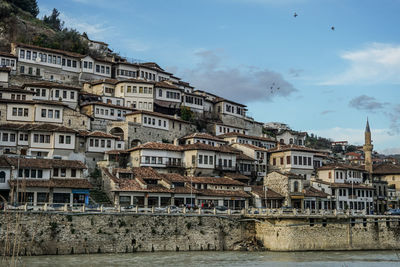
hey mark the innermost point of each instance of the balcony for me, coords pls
(174, 164)
(224, 167)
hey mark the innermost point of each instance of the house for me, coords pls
(265, 197)
(138, 94)
(226, 107)
(95, 144)
(289, 185)
(193, 101)
(5, 176)
(42, 111)
(58, 65)
(221, 192)
(38, 181)
(205, 160)
(247, 166)
(221, 128)
(388, 172)
(9, 61)
(290, 137)
(145, 187)
(159, 156)
(346, 184)
(16, 93)
(52, 91)
(204, 138)
(103, 112)
(167, 98)
(259, 155)
(292, 158)
(260, 141)
(145, 126)
(39, 140)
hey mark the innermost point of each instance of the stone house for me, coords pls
(138, 94)
(102, 112)
(292, 158)
(289, 185)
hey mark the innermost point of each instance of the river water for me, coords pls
(340, 258)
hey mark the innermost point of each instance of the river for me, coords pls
(339, 258)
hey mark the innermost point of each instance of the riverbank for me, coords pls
(49, 233)
(212, 258)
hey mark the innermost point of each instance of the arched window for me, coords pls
(282, 141)
(300, 142)
(2, 177)
(295, 186)
(291, 141)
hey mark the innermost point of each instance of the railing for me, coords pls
(278, 212)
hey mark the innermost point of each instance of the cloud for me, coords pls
(375, 63)
(327, 112)
(97, 31)
(394, 117)
(364, 102)
(391, 151)
(241, 83)
(295, 72)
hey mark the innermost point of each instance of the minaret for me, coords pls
(368, 150)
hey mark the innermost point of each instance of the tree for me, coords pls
(53, 20)
(186, 113)
(26, 5)
(337, 149)
(351, 149)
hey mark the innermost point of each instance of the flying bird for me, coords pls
(332, 28)
(295, 14)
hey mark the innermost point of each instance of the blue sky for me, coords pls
(329, 80)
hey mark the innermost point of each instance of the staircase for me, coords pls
(98, 197)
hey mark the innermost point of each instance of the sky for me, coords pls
(295, 70)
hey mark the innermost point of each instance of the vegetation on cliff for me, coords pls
(18, 23)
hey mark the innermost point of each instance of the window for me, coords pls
(97, 68)
(22, 53)
(2, 177)
(295, 186)
(68, 62)
(50, 113)
(28, 54)
(25, 112)
(57, 114)
(44, 113)
(72, 95)
(205, 159)
(103, 143)
(63, 172)
(22, 69)
(74, 64)
(73, 172)
(55, 172)
(274, 161)
(109, 143)
(57, 93)
(43, 92)
(91, 142)
(288, 160)
(200, 159)
(68, 139)
(281, 160)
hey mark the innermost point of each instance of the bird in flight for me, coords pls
(332, 28)
(295, 14)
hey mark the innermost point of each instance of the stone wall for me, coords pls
(45, 233)
(336, 234)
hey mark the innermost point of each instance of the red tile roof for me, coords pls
(280, 148)
(46, 163)
(340, 166)
(43, 127)
(223, 193)
(313, 192)
(206, 147)
(156, 114)
(107, 105)
(51, 85)
(203, 136)
(51, 50)
(236, 176)
(257, 148)
(156, 146)
(216, 181)
(260, 192)
(386, 168)
(260, 138)
(97, 134)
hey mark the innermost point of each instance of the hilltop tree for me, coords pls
(53, 20)
(30, 6)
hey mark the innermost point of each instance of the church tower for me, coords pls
(368, 149)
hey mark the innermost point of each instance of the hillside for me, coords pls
(17, 25)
